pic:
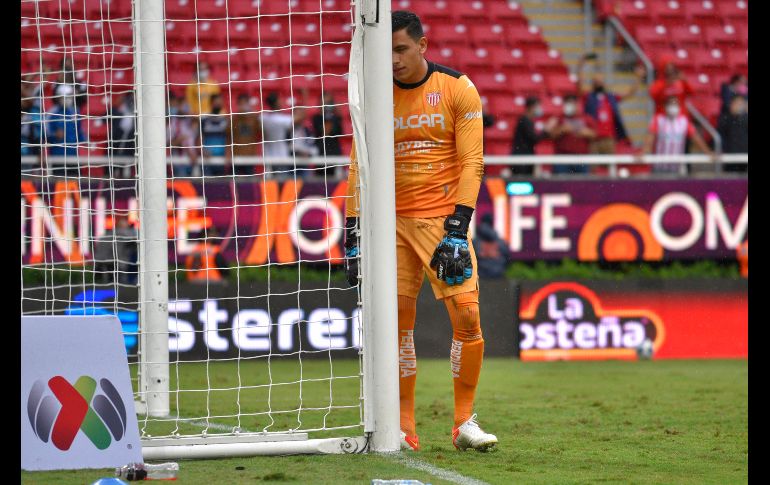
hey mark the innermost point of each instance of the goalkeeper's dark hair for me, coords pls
(404, 19)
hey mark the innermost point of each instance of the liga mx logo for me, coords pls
(58, 417)
(433, 98)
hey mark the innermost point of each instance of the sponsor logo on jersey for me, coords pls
(567, 321)
(434, 97)
(472, 115)
(419, 121)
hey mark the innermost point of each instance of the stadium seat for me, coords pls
(476, 61)
(274, 31)
(433, 13)
(504, 105)
(485, 35)
(723, 37)
(687, 36)
(632, 14)
(708, 106)
(212, 33)
(652, 36)
(469, 11)
(524, 37)
(179, 9)
(668, 12)
(490, 84)
(553, 105)
(684, 61)
(336, 58)
(529, 85)
(505, 13)
(733, 11)
(702, 85)
(702, 12)
(546, 61)
(336, 33)
(560, 84)
(712, 61)
(738, 60)
(304, 30)
(449, 35)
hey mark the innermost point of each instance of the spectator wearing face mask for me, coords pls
(604, 107)
(182, 135)
(63, 132)
(572, 133)
(200, 90)
(526, 135)
(214, 128)
(668, 135)
(738, 86)
(670, 82)
(733, 127)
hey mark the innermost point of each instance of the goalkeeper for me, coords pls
(438, 146)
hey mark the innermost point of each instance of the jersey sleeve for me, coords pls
(469, 141)
(352, 202)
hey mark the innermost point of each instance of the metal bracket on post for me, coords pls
(370, 12)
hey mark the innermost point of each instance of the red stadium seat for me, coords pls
(506, 13)
(179, 9)
(486, 35)
(733, 11)
(632, 14)
(738, 60)
(723, 37)
(708, 106)
(433, 12)
(449, 35)
(687, 36)
(274, 31)
(529, 85)
(469, 11)
(336, 33)
(524, 37)
(505, 105)
(684, 61)
(546, 61)
(241, 31)
(668, 12)
(305, 30)
(655, 36)
(702, 12)
(212, 32)
(336, 58)
(476, 61)
(712, 61)
(490, 84)
(702, 85)
(560, 84)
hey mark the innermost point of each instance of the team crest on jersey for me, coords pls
(433, 97)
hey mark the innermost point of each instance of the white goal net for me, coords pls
(219, 250)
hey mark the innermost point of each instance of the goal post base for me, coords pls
(248, 445)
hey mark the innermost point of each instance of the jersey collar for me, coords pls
(431, 68)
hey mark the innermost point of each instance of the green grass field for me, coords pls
(683, 422)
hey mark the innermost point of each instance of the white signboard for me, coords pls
(77, 407)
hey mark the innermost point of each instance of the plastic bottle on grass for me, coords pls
(148, 471)
(377, 481)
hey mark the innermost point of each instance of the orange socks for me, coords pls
(467, 351)
(466, 355)
(407, 361)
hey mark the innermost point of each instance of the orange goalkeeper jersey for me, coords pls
(438, 145)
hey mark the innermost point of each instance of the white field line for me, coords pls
(448, 475)
(402, 458)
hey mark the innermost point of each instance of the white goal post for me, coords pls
(370, 100)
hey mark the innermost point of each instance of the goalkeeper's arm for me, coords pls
(352, 228)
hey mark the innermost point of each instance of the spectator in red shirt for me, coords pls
(572, 133)
(670, 82)
(668, 135)
(604, 107)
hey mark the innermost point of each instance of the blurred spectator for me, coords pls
(742, 253)
(244, 137)
(115, 253)
(67, 83)
(327, 126)
(572, 133)
(63, 131)
(276, 125)
(182, 135)
(604, 107)
(205, 264)
(303, 143)
(214, 129)
(733, 127)
(200, 90)
(670, 82)
(123, 128)
(31, 122)
(738, 86)
(525, 134)
(668, 135)
(492, 251)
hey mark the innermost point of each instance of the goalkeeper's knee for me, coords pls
(464, 314)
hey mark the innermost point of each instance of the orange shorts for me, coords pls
(416, 240)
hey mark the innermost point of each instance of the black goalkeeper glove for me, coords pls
(352, 252)
(452, 258)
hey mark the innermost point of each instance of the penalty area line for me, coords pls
(442, 473)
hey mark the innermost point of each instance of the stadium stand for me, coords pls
(492, 40)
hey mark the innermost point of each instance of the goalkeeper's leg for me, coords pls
(466, 356)
(407, 361)
(467, 350)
